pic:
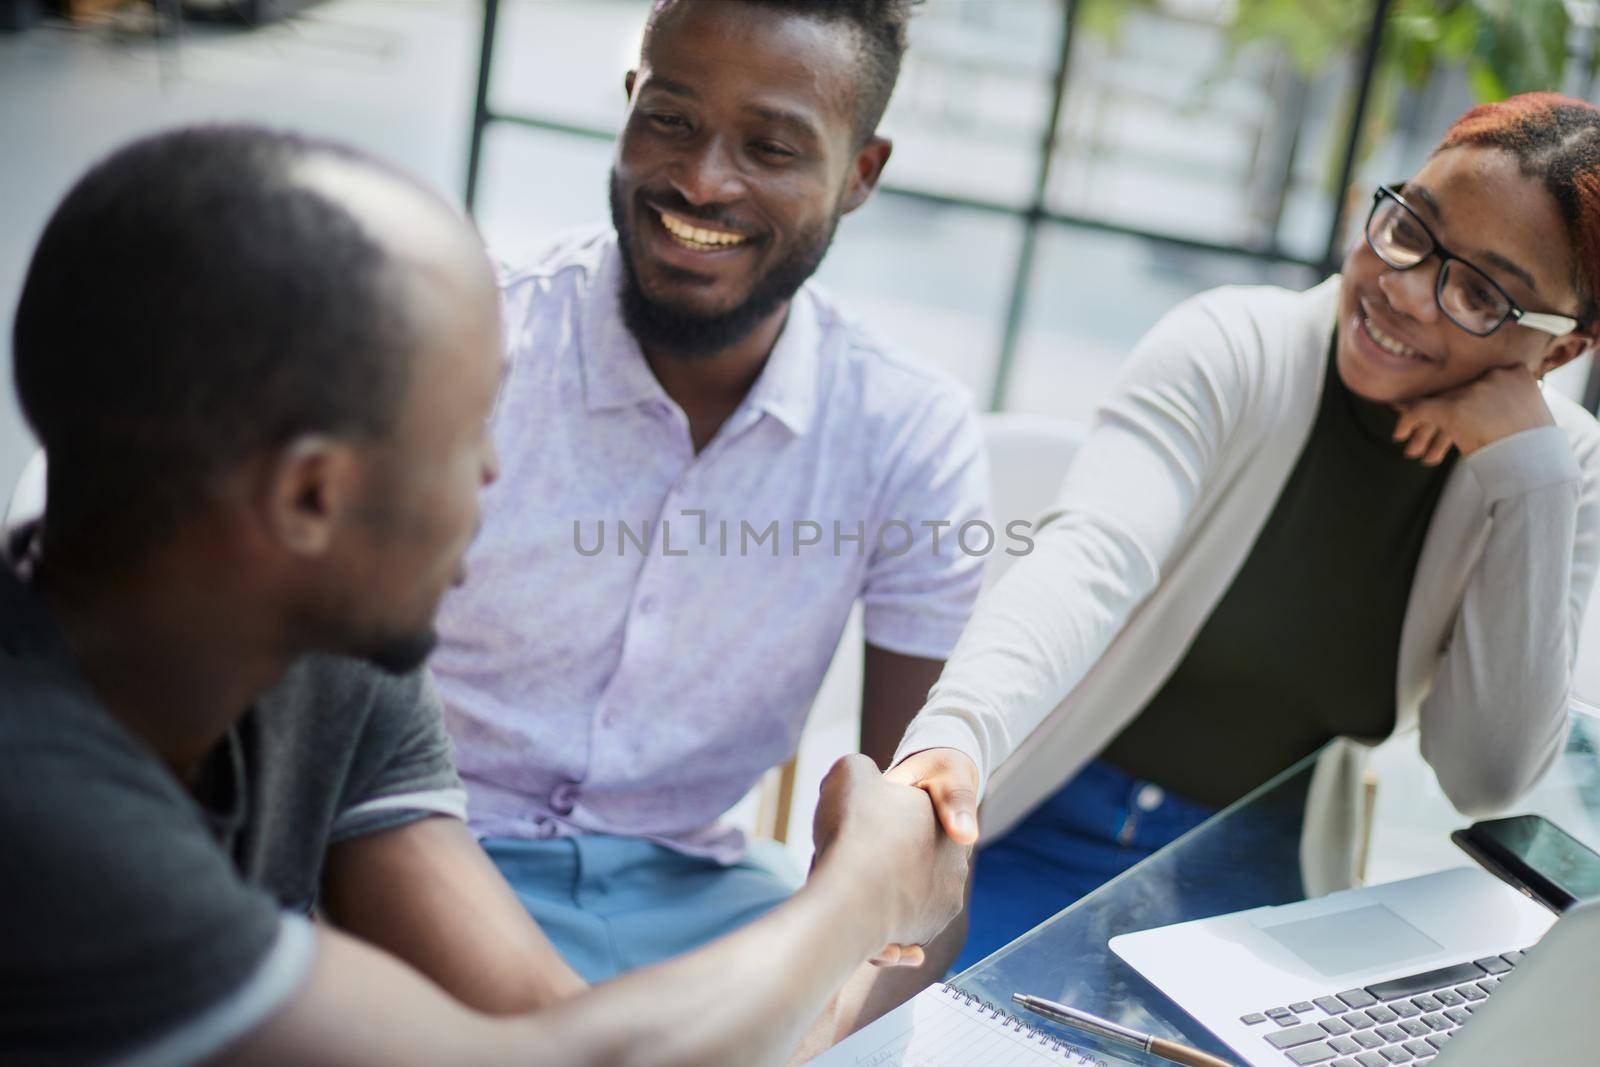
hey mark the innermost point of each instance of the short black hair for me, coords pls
(880, 27)
(190, 303)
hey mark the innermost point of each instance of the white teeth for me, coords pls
(698, 237)
(1392, 345)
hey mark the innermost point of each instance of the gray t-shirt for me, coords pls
(141, 923)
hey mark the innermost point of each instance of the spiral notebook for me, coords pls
(944, 1027)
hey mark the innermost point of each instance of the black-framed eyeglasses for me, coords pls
(1467, 296)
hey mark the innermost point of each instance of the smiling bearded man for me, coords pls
(677, 373)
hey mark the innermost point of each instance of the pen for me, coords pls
(1105, 1028)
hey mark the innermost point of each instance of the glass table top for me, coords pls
(1247, 856)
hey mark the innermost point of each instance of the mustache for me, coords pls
(710, 214)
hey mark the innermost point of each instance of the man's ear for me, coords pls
(865, 170)
(1564, 350)
(627, 84)
(305, 493)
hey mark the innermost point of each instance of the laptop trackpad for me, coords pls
(1354, 940)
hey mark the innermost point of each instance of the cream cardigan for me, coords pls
(1159, 510)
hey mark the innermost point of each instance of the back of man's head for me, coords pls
(189, 304)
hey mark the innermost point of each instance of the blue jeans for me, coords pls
(1097, 826)
(611, 904)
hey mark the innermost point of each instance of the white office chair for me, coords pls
(1028, 458)
(27, 496)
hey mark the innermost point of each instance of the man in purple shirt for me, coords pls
(705, 466)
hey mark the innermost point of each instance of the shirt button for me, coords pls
(647, 605)
(564, 797)
(1149, 797)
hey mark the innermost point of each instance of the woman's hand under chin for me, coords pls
(1499, 403)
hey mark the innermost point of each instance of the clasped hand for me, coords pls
(1497, 404)
(887, 835)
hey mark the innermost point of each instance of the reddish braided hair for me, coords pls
(1555, 139)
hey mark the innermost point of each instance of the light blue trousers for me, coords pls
(611, 904)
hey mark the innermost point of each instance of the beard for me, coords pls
(397, 640)
(688, 333)
(400, 654)
(328, 629)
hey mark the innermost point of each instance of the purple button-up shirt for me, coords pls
(643, 629)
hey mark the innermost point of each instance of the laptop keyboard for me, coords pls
(1405, 1020)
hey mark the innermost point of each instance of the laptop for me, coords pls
(1388, 974)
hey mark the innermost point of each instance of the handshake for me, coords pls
(903, 840)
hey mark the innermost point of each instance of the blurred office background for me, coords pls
(1063, 172)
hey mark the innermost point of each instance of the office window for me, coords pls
(564, 60)
(1165, 129)
(1092, 297)
(931, 278)
(537, 183)
(969, 112)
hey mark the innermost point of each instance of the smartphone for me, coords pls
(1534, 855)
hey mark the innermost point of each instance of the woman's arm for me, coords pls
(1496, 715)
(1497, 712)
(1100, 551)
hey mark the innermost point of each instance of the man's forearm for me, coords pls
(742, 1000)
(745, 999)
(875, 991)
(884, 875)
(869, 993)
(427, 894)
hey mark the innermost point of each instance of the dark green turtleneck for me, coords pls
(1304, 645)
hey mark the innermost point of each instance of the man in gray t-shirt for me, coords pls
(195, 892)
(230, 834)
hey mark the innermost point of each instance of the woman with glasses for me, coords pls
(1302, 516)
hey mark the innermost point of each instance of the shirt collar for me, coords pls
(787, 388)
(616, 375)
